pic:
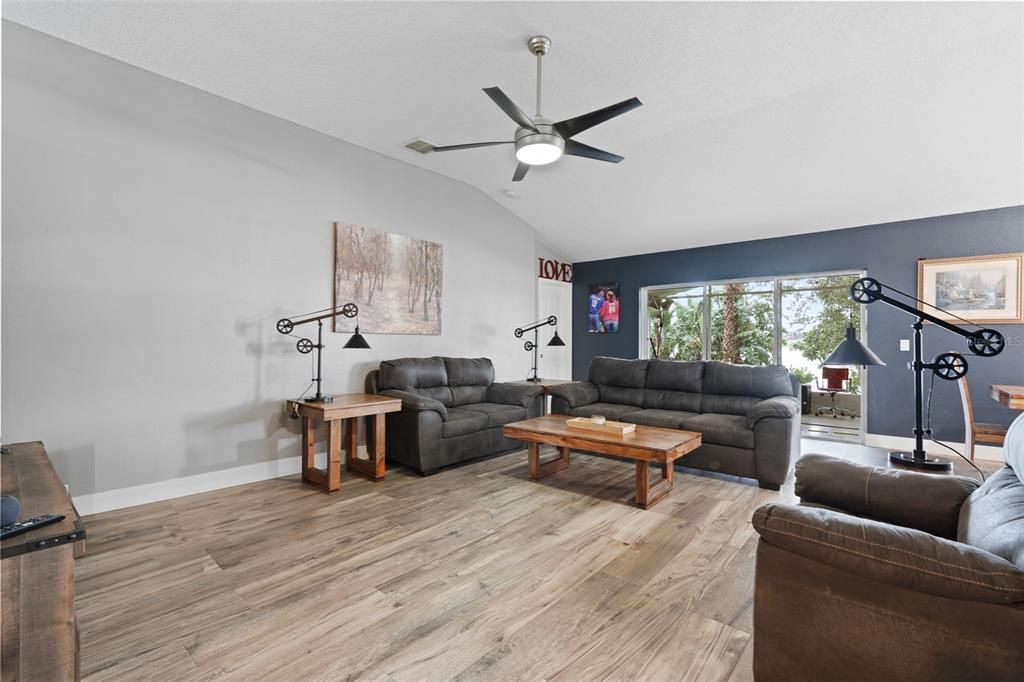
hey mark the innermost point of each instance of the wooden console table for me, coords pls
(347, 407)
(37, 570)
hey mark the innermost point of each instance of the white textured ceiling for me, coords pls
(760, 119)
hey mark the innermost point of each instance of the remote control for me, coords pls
(25, 526)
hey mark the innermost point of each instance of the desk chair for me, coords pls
(835, 382)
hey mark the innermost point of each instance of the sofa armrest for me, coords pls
(417, 402)
(927, 502)
(904, 557)
(576, 394)
(781, 407)
(509, 393)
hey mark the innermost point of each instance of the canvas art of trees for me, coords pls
(395, 280)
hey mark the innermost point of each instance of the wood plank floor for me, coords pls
(475, 573)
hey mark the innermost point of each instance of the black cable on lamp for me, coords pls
(303, 345)
(950, 366)
(556, 340)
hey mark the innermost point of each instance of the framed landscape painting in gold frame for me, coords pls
(981, 289)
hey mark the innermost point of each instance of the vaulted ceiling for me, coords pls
(760, 119)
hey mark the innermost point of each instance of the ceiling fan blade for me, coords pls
(574, 148)
(510, 108)
(520, 172)
(574, 126)
(471, 145)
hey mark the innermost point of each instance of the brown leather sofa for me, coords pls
(885, 574)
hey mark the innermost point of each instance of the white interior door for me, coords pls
(555, 298)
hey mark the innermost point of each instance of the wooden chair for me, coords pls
(991, 434)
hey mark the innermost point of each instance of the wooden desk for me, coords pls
(348, 407)
(1011, 396)
(37, 570)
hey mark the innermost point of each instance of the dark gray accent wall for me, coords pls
(888, 252)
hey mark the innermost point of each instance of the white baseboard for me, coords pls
(987, 452)
(109, 500)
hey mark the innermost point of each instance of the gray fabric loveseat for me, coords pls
(452, 410)
(748, 417)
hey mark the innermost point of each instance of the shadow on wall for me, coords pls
(255, 433)
(76, 464)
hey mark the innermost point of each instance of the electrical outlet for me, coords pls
(905, 345)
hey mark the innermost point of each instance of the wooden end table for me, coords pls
(346, 407)
(545, 387)
(645, 445)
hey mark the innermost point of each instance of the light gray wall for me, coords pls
(153, 233)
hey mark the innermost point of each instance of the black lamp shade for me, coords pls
(357, 341)
(851, 352)
(556, 340)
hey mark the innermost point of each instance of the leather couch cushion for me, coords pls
(661, 399)
(619, 381)
(465, 395)
(992, 518)
(673, 375)
(734, 405)
(674, 385)
(497, 414)
(462, 421)
(609, 410)
(469, 371)
(666, 419)
(721, 429)
(723, 378)
(425, 376)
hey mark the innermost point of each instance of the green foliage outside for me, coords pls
(825, 314)
(742, 325)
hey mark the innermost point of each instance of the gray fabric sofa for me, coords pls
(452, 410)
(748, 417)
(884, 574)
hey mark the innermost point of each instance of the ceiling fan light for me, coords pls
(538, 153)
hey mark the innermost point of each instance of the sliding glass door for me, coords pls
(792, 321)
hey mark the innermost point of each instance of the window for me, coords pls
(791, 321)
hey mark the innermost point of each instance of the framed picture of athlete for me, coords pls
(603, 308)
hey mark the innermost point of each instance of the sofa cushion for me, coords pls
(462, 421)
(724, 378)
(609, 410)
(721, 429)
(465, 395)
(992, 518)
(666, 419)
(619, 381)
(469, 371)
(425, 376)
(673, 385)
(498, 414)
(735, 405)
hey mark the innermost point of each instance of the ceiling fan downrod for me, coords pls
(539, 46)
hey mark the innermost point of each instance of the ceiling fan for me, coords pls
(539, 141)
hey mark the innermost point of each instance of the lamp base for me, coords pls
(321, 399)
(535, 380)
(920, 460)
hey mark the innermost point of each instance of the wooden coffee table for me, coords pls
(645, 445)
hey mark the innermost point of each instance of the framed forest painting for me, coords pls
(395, 280)
(981, 289)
